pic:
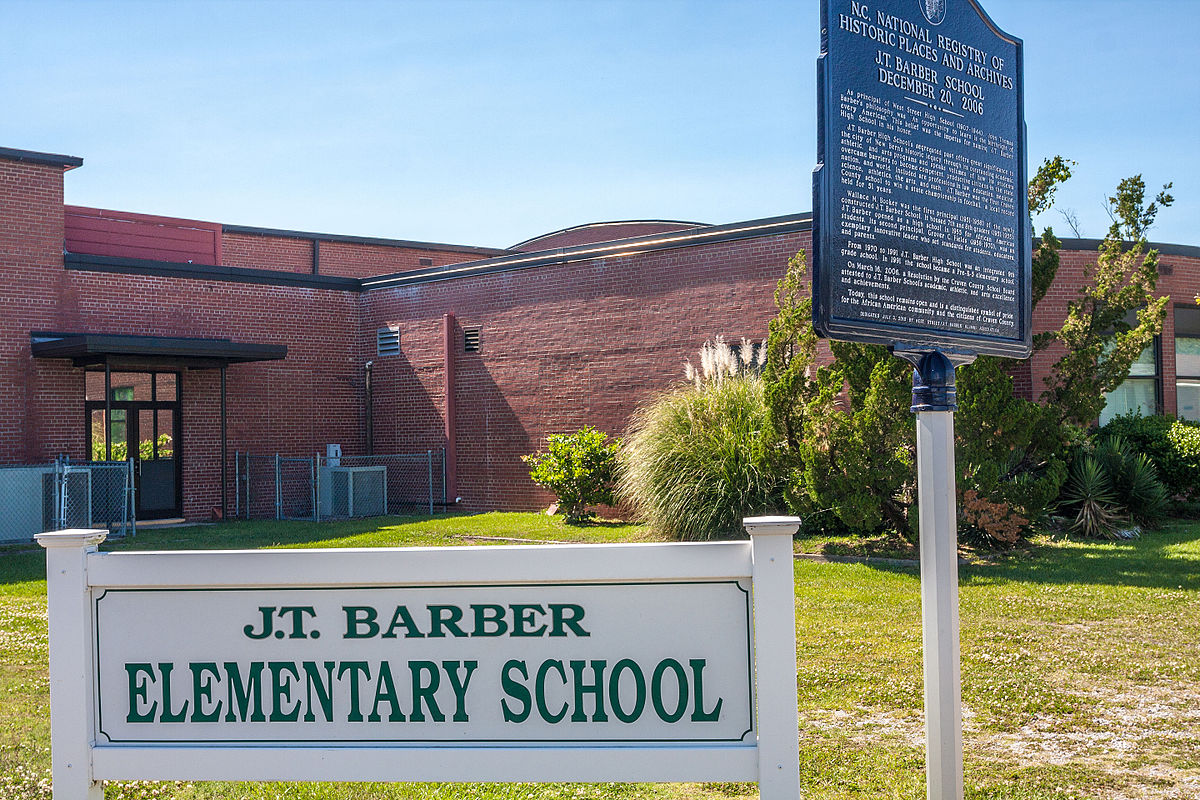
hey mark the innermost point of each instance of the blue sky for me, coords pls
(487, 123)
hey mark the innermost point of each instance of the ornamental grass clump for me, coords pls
(695, 460)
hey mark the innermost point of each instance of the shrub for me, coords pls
(578, 467)
(1088, 494)
(1010, 453)
(1172, 445)
(1109, 482)
(695, 460)
(988, 522)
(857, 455)
(1136, 488)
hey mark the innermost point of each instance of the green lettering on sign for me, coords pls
(138, 691)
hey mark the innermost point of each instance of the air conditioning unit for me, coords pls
(353, 491)
(21, 514)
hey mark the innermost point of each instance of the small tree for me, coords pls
(791, 351)
(858, 453)
(579, 468)
(1100, 343)
(841, 431)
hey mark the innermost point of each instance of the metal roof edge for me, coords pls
(208, 272)
(37, 157)
(601, 224)
(251, 230)
(692, 237)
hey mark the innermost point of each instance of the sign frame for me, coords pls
(79, 575)
(826, 226)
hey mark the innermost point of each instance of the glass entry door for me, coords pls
(145, 426)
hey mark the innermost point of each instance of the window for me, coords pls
(1139, 392)
(1187, 362)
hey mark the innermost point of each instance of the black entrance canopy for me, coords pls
(124, 351)
(100, 348)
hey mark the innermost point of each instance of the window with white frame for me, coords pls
(1139, 392)
(1187, 362)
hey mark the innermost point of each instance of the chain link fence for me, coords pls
(66, 494)
(322, 487)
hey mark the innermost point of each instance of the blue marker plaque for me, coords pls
(921, 233)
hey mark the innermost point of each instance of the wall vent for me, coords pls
(387, 341)
(471, 339)
(425, 262)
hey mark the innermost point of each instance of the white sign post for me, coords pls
(657, 662)
(939, 605)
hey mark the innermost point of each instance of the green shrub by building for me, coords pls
(1173, 445)
(579, 468)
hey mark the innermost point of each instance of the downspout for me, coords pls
(108, 411)
(451, 429)
(224, 446)
(370, 410)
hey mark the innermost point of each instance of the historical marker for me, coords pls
(920, 228)
(921, 242)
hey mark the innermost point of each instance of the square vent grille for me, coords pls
(387, 341)
(471, 339)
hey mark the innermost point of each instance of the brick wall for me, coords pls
(266, 252)
(1179, 278)
(353, 260)
(31, 241)
(339, 258)
(292, 406)
(562, 346)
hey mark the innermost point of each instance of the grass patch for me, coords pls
(1081, 667)
(887, 545)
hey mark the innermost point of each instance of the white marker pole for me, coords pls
(69, 611)
(934, 401)
(939, 605)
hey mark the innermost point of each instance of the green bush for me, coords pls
(579, 468)
(857, 457)
(695, 460)
(1172, 445)
(1010, 455)
(1136, 488)
(1110, 484)
(1089, 497)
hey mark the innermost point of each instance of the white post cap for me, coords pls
(74, 537)
(771, 526)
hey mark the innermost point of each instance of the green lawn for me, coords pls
(1081, 668)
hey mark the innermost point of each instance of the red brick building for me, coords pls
(497, 347)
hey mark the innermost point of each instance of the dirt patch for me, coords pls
(1147, 738)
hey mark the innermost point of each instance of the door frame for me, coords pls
(132, 437)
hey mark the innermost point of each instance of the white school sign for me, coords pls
(656, 662)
